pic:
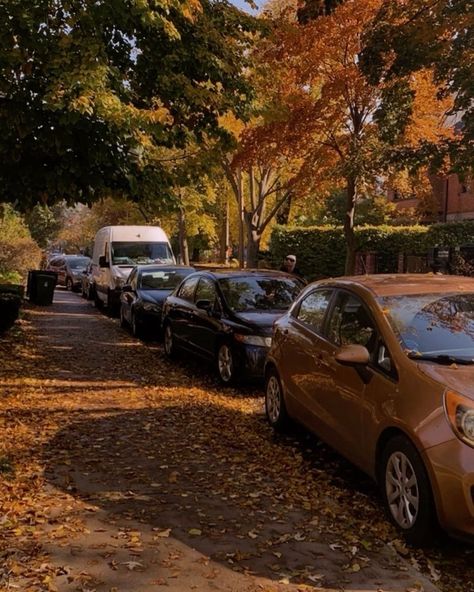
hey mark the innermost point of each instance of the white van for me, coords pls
(117, 249)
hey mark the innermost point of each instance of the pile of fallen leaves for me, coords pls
(151, 442)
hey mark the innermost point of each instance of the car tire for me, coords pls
(169, 344)
(226, 364)
(123, 322)
(98, 302)
(69, 285)
(275, 408)
(135, 325)
(407, 493)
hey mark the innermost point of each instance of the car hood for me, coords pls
(155, 296)
(456, 377)
(262, 320)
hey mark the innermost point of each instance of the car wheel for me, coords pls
(135, 324)
(69, 284)
(226, 369)
(169, 342)
(275, 407)
(98, 302)
(123, 322)
(407, 491)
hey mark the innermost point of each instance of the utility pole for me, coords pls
(241, 218)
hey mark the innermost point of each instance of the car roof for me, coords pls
(219, 273)
(406, 283)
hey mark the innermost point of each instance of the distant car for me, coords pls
(382, 369)
(87, 287)
(143, 295)
(227, 317)
(69, 269)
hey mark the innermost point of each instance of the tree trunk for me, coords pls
(224, 238)
(349, 226)
(240, 205)
(253, 241)
(283, 214)
(183, 238)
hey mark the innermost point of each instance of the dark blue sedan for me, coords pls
(227, 318)
(143, 295)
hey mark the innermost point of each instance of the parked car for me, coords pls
(143, 295)
(69, 269)
(227, 317)
(87, 287)
(382, 369)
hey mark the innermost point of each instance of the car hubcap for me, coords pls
(273, 399)
(401, 488)
(168, 340)
(225, 363)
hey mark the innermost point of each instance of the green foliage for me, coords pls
(311, 9)
(97, 96)
(412, 36)
(373, 210)
(44, 223)
(320, 250)
(18, 251)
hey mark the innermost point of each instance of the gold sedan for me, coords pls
(382, 369)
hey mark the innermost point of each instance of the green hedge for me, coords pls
(321, 250)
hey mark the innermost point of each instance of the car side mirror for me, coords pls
(353, 355)
(204, 305)
(103, 261)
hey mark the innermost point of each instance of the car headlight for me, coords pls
(460, 412)
(254, 340)
(151, 307)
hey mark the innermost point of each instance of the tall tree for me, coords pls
(94, 94)
(330, 118)
(407, 37)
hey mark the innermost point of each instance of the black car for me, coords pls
(143, 295)
(227, 317)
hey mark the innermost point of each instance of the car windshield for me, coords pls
(163, 279)
(132, 253)
(244, 294)
(78, 263)
(436, 325)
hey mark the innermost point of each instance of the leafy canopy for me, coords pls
(95, 93)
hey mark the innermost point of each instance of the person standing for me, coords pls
(289, 265)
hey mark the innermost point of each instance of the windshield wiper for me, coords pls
(440, 359)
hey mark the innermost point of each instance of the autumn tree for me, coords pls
(331, 117)
(408, 37)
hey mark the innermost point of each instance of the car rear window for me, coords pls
(166, 279)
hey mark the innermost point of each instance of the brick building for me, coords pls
(454, 197)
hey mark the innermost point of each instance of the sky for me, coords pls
(244, 6)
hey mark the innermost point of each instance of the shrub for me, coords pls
(321, 250)
(18, 251)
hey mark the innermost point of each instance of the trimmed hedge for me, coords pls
(321, 250)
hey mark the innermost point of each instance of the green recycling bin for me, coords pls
(40, 287)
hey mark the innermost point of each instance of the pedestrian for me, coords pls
(289, 265)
